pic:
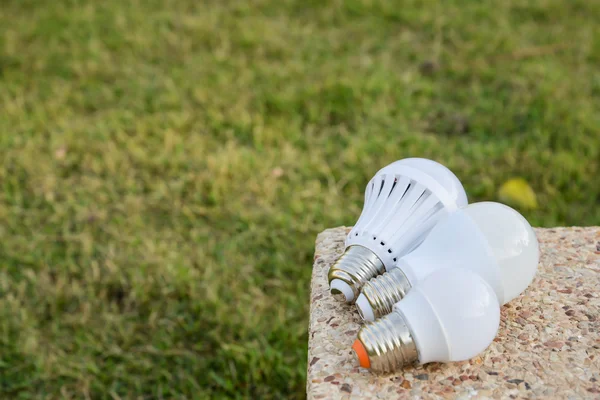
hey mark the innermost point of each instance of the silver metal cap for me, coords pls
(383, 291)
(355, 267)
(388, 343)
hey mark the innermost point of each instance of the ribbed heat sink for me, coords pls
(398, 214)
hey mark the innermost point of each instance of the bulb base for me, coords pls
(354, 268)
(382, 292)
(388, 343)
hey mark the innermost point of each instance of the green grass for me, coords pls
(165, 166)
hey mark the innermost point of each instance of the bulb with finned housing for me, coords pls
(403, 202)
(488, 238)
(453, 315)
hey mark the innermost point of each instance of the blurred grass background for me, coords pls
(165, 166)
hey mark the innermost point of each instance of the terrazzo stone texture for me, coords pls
(548, 345)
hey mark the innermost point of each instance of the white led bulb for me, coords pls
(490, 239)
(403, 202)
(453, 315)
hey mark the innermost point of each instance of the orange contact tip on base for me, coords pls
(361, 353)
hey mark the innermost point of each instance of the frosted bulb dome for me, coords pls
(513, 243)
(488, 238)
(452, 315)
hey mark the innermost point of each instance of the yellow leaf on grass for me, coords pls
(518, 193)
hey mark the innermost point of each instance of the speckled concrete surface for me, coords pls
(548, 345)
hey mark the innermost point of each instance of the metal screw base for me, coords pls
(355, 267)
(389, 343)
(384, 291)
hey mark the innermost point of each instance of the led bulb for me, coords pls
(488, 238)
(403, 201)
(453, 315)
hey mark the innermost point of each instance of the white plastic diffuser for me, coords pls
(403, 202)
(453, 315)
(490, 239)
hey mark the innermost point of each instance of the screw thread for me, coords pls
(355, 267)
(385, 290)
(389, 343)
